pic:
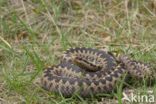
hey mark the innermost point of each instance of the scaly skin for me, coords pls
(88, 71)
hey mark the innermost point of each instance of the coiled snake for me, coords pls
(89, 71)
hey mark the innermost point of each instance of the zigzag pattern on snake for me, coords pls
(88, 71)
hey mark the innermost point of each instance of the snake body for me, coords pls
(88, 71)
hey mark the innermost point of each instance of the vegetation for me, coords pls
(34, 33)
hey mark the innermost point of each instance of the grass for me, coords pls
(34, 33)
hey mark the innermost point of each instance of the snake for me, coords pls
(89, 71)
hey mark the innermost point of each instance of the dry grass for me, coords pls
(34, 33)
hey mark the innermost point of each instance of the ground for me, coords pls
(34, 33)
